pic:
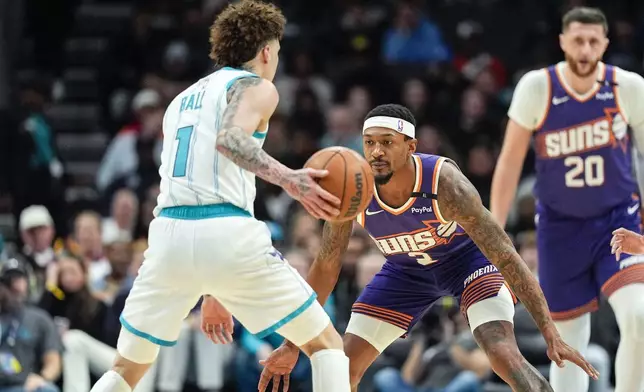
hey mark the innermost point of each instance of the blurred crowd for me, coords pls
(77, 227)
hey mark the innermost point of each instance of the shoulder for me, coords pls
(537, 79)
(264, 92)
(630, 83)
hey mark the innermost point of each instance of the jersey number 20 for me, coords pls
(181, 159)
(584, 172)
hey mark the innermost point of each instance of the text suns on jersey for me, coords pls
(568, 144)
(418, 242)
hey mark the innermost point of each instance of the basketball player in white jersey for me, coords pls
(579, 112)
(204, 239)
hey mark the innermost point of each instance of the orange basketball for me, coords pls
(350, 179)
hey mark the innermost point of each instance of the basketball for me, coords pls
(350, 179)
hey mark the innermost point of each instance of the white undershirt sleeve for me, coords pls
(630, 91)
(530, 100)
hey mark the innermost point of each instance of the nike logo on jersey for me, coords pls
(373, 212)
(558, 101)
(633, 209)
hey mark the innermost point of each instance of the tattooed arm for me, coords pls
(325, 270)
(251, 102)
(459, 201)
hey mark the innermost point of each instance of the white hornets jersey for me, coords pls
(192, 172)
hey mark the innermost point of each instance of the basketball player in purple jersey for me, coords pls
(439, 240)
(579, 112)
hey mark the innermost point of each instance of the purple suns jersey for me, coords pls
(415, 235)
(584, 165)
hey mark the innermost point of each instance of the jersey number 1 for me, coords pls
(181, 159)
(583, 172)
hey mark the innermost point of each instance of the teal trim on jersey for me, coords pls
(146, 336)
(259, 135)
(203, 212)
(289, 318)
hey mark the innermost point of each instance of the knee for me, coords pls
(329, 339)
(631, 323)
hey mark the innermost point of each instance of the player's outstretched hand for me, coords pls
(302, 186)
(216, 322)
(559, 351)
(278, 366)
(626, 241)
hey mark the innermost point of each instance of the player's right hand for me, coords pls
(278, 366)
(626, 241)
(302, 186)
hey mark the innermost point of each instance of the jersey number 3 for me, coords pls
(181, 159)
(584, 172)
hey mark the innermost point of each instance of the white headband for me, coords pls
(396, 124)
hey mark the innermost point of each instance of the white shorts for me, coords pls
(230, 258)
(380, 334)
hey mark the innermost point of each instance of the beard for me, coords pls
(575, 67)
(382, 179)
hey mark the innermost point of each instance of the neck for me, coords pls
(581, 84)
(250, 67)
(400, 186)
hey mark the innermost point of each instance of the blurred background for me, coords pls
(83, 87)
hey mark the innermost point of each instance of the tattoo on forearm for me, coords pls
(240, 147)
(335, 240)
(459, 201)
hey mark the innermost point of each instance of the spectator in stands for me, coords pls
(69, 301)
(432, 141)
(413, 38)
(37, 233)
(415, 96)
(359, 100)
(480, 166)
(302, 75)
(120, 254)
(38, 181)
(30, 344)
(88, 243)
(344, 129)
(471, 59)
(148, 203)
(84, 320)
(121, 223)
(120, 162)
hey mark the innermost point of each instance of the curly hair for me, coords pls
(242, 29)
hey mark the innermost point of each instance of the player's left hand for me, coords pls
(559, 351)
(216, 322)
(278, 366)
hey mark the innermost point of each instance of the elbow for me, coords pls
(221, 144)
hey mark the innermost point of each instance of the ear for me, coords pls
(266, 54)
(412, 144)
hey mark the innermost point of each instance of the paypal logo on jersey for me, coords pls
(421, 210)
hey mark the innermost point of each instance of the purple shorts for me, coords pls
(401, 296)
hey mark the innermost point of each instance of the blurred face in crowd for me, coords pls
(151, 118)
(480, 162)
(300, 262)
(72, 277)
(341, 121)
(473, 104)
(429, 141)
(87, 231)
(125, 208)
(584, 46)
(386, 151)
(406, 17)
(38, 239)
(20, 287)
(120, 255)
(359, 100)
(414, 94)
